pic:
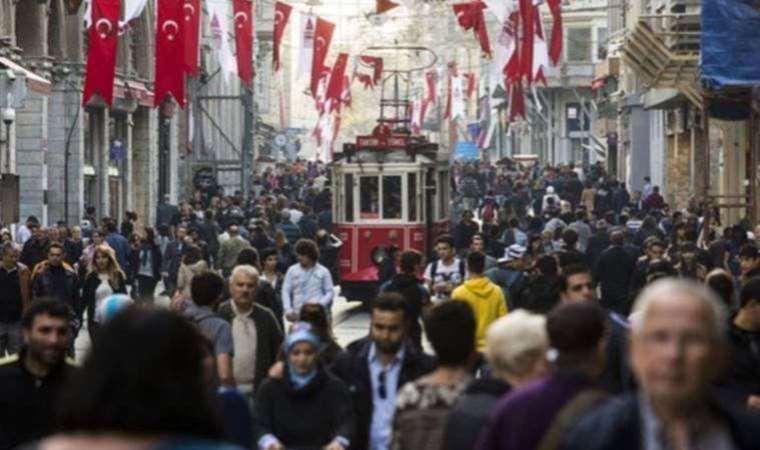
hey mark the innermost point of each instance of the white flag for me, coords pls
(503, 49)
(540, 51)
(457, 97)
(221, 43)
(132, 10)
(501, 9)
(306, 42)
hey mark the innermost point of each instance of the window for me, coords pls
(411, 195)
(369, 195)
(349, 197)
(392, 197)
(601, 43)
(89, 151)
(443, 210)
(578, 44)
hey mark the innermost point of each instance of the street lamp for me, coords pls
(9, 115)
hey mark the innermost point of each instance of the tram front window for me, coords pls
(392, 197)
(369, 193)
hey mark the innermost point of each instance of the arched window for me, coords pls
(31, 28)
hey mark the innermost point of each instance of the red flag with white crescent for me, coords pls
(555, 47)
(281, 16)
(528, 33)
(102, 41)
(191, 13)
(369, 71)
(540, 52)
(470, 17)
(516, 102)
(170, 53)
(335, 86)
(322, 37)
(243, 23)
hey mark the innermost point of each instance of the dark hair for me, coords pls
(476, 262)
(445, 239)
(46, 306)
(266, 253)
(575, 330)
(748, 251)
(55, 245)
(206, 288)
(316, 315)
(109, 225)
(410, 259)
(308, 248)
(452, 349)
(248, 256)
(750, 291)
(569, 271)
(128, 384)
(547, 264)
(722, 284)
(192, 254)
(389, 301)
(570, 237)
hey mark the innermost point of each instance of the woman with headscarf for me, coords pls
(307, 407)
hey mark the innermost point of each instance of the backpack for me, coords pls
(434, 269)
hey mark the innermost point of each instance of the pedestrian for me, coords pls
(146, 264)
(55, 279)
(423, 405)
(479, 245)
(104, 278)
(307, 407)
(256, 334)
(678, 348)
(509, 274)
(192, 265)
(285, 251)
(516, 347)
(31, 380)
(117, 242)
(130, 395)
(24, 231)
(315, 315)
(35, 248)
(443, 275)
(749, 260)
(15, 281)
(374, 369)
(484, 297)
(613, 273)
(464, 232)
(172, 259)
(536, 416)
(742, 380)
(307, 281)
(230, 249)
(290, 229)
(416, 297)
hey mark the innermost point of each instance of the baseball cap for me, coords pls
(512, 253)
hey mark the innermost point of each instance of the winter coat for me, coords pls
(613, 271)
(415, 296)
(471, 413)
(487, 302)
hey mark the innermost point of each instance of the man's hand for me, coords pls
(177, 302)
(277, 370)
(753, 402)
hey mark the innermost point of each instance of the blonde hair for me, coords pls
(114, 269)
(516, 341)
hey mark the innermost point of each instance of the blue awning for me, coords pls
(730, 44)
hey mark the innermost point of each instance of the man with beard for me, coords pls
(31, 379)
(374, 369)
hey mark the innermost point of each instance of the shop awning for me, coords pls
(34, 82)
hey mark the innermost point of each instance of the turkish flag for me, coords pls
(555, 47)
(509, 34)
(472, 84)
(369, 71)
(102, 40)
(470, 16)
(527, 13)
(382, 6)
(322, 37)
(516, 102)
(243, 21)
(281, 16)
(170, 53)
(191, 12)
(335, 86)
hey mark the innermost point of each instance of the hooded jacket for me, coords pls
(487, 302)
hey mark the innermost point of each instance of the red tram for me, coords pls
(390, 188)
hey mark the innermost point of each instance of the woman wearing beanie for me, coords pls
(306, 407)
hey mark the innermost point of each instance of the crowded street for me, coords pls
(379, 225)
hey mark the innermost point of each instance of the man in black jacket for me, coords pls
(376, 367)
(172, 259)
(613, 272)
(31, 380)
(677, 346)
(410, 287)
(57, 280)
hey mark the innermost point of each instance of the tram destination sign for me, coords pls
(382, 142)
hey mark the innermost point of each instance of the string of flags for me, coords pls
(519, 56)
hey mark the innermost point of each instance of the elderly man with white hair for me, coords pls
(678, 349)
(516, 347)
(256, 335)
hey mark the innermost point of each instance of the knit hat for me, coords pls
(512, 253)
(301, 332)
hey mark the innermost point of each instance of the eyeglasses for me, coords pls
(381, 391)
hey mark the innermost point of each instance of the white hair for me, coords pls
(682, 288)
(515, 341)
(247, 270)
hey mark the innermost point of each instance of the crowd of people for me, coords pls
(561, 312)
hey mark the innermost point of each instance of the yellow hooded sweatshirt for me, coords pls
(487, 302)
